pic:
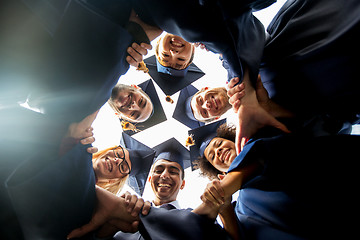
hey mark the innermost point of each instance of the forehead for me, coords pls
(166, 164)
(211, 145)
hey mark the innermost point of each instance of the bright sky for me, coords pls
(107, 129)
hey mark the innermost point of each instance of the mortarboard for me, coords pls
(141, 157)
(170, 82)
(173, 151)
(201, 137)
(158, 114)
(183, 112)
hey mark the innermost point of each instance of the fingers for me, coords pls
(214, 193)
(136, 53)
(236, 89)
(233, 82)
(92, 150)
(133, 204)
(146, 208)
(236, 97)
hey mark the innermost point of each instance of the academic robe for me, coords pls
(67, 68)
(226, 28)
(53, 197)
(310, 61)
(306, 189)
(64, 57)
(168, 222)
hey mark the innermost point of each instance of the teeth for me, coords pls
(109, 165)
(164, 185)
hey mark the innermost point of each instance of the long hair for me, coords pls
(113, 187)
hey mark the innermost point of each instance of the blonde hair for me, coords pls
(113, 186)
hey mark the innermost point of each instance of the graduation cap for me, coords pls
(183, 112)
(173, 151)
(171, 80)
(201, 137)
(141, 157)
(158, 115)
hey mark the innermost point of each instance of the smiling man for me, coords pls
(209, 103)
(174, 52)
(131, 102)
(167, 174)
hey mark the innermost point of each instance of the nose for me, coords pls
(207, 105)
(165, 174)
(218, 151)
(134, 106)
(173, 51)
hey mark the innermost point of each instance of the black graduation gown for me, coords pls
(227, 28)
(310, 62)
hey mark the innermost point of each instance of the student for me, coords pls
(174, 52)
(166, 180)
(209, 104)
(67, 186)
(172, 80)
(131, 102)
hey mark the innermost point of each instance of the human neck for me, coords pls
(159, 202)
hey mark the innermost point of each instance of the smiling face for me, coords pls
(166, 181)
(113, 164)
(173, 51)
(210, 103)
(132, 103)
(220, 153)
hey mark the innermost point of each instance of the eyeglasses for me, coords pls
(124, 167)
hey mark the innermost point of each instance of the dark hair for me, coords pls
(206, 168)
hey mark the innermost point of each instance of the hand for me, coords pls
(252, 117)
(80, 131)
(213, 200)
(134, 204)
(110, 209)
(235, 93)
(213, 194)
(137, 52)
(89, 139)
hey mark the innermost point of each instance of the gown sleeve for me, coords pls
(51, 197)
(179, 224)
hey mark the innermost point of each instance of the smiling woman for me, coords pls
(112, 167)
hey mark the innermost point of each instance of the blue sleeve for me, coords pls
(61, 192)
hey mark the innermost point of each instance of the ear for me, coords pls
(149, 179)
(182, 184)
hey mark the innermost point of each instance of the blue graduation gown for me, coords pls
(179, 224)
(227, 28)
(51, 196)
(305, 190)
(69, 67)
(310, 62)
